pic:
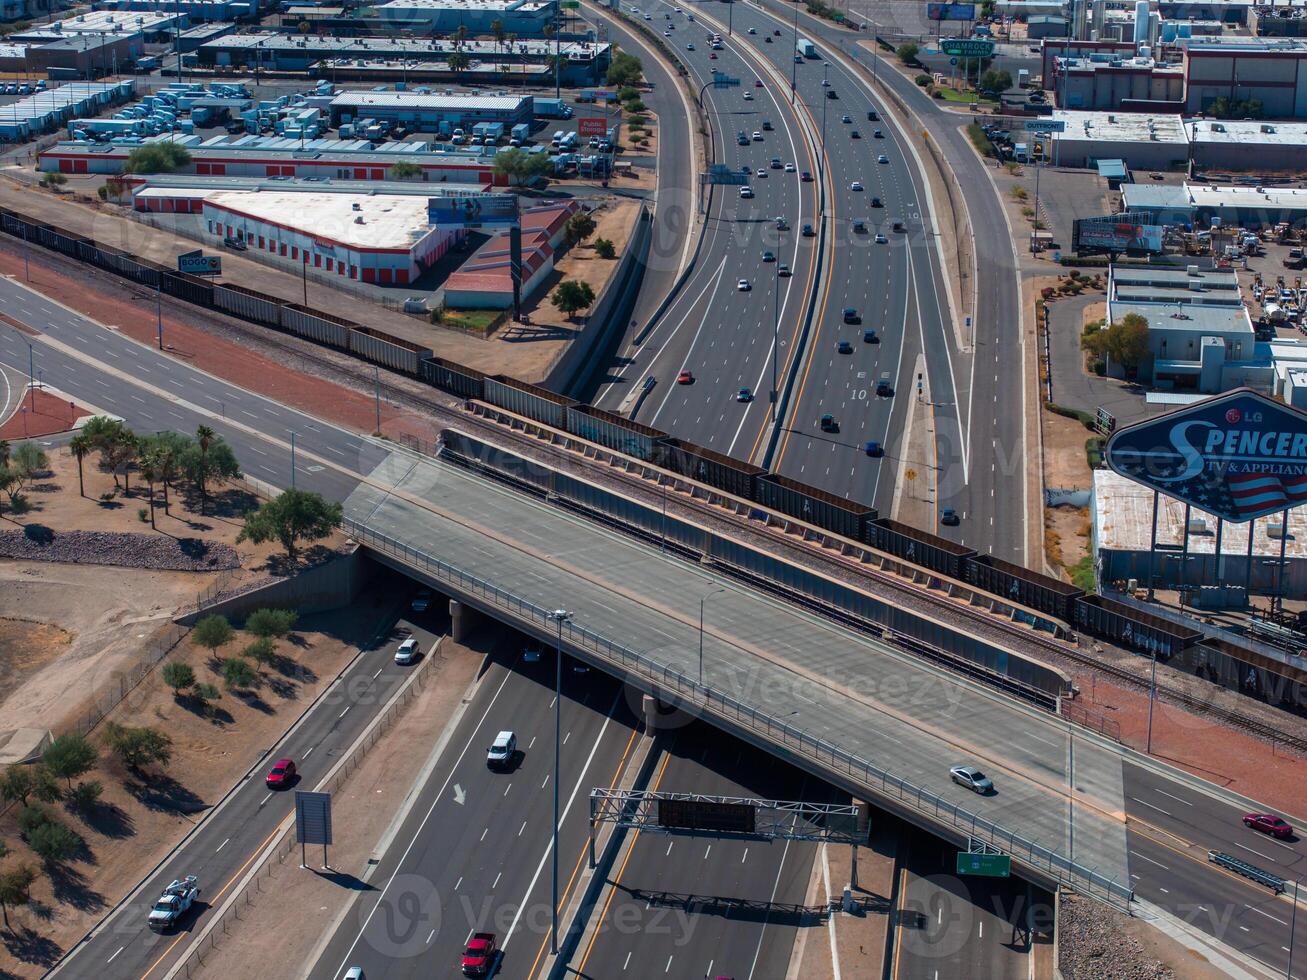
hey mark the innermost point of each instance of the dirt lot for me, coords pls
(106, 616)
(26, 647)
(536, 342)
(139, 819)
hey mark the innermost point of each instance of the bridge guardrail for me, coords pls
(1057, 866)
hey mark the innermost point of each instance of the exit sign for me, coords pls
(986, 865)
(570, 5)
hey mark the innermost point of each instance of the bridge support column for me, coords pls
(649, 708)
(462, 620)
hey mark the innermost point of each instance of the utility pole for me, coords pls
(376, 376)
(292, 459)
(559, 616)
(158, 307)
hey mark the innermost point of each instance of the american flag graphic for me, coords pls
(1255, 493)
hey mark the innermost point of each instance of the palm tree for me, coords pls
(497, 29)
(460, 35)
(148, 465)
(204, 437)
(80, 446)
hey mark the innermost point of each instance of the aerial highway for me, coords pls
(231, 836)
(706, 905)
(724, 325)
(988, 490)
(473, 853)
(919, 738)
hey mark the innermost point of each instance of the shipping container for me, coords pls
(388, 351)
(193, 289)
(529, 400)
(454, 378)
(713, 468)
(316, 325)
(916, 546)
(1014, 583)
(614, 431)
(1120, 624)
(814, 506)
(248, 304)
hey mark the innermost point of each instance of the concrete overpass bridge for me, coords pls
(883, 723)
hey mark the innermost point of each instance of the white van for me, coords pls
(502, 750)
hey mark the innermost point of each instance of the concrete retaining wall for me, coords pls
(575, 360)
(324, 587)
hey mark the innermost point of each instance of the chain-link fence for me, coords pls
(259, 878)
(667, 680)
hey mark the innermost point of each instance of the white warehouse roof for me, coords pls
(1246, 131)
(1120, 127)
(416, 100)
(388, 221)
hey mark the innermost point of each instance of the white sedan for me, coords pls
(882, 159)
(789, 168)
(743, 285)
(856, 185)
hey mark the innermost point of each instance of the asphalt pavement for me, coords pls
(474, 852)
(690, 905)
(230, 837)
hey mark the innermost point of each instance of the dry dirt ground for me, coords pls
(106, 615)
(615, 221)
(139, 819)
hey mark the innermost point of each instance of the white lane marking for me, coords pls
(222, 845)
(1162, 792)
(115, 955)
(1150, 805)
(1267, 914)
(1151, 861)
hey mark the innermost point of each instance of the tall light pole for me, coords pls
(776, 329)
(1152, 697)
(559, 616)
(1293, 922)
(705, 598)
(158, 306)
(794, 62)
(825, 97)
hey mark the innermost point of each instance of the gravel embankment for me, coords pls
(157, 552)
(1094, 945)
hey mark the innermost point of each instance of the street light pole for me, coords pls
(31, 377)
(825, 77)
(1293, 922)
(292, 459)
(559, 616)
(794, 62)
(776, 332)
(158, 308)
(1152, 697)
(704, 599)
(376, 376)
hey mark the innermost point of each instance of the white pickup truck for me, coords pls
(173, 903)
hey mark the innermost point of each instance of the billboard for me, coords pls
(473, 210)
(950, 11)
(592, 126)
(966, 47)
(1118, 233)
(1238, 456)
(198, 264)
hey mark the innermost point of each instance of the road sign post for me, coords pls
(313, 822)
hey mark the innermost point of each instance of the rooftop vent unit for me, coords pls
(358, 220)
(1197, 525)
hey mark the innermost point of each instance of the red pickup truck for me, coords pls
(479, 955)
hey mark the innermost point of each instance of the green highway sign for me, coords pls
(988, 865)
(966, 47)
(571, 5)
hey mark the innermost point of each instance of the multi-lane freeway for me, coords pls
(229, 839)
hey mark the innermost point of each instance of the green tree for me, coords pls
(137, 747)
(995, 81)
(31, 816)
(605, 249)
(85, 796)
(625, 70)
(405, 171)
(157, 158)
(212, 632)
(45, 787)
(178, 675)
(26, 461)
(53, 179)
(147, 467)
(207, 694)
(70, 757)
(458, 61)
(1125, 342)
(907, 53)
(237, 674)
(116, 444)
(209, 460)
(294, 516)
(16, 784)
(80, 447)
(572, 295)
(262, 651)
(580, 226)
(497, 30)
(15, 888)
(54, 843)
(521, 167)
(166, 451)
(30, 458)
(272, 623)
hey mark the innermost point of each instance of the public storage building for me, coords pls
(377, 238)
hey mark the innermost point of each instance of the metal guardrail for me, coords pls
(1249, 871)
(1042, 859)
